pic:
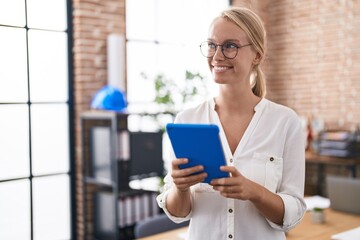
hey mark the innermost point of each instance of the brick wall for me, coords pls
(313, 56)
(93, 21)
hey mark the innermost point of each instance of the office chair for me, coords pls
(156, 224)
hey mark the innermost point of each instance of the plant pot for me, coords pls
(317, 216)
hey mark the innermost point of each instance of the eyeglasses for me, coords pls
(229, 49)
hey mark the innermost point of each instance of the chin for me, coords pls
(219, 80)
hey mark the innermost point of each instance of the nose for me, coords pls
(218, 54)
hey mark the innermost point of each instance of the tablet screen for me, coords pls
(201, 144)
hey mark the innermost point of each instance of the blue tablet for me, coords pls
(201, 144)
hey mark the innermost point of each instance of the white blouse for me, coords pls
(271, 153)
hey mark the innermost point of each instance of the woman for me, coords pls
(263, 144)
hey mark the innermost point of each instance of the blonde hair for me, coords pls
(252, 25)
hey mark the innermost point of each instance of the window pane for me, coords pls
(171, 23)
(142, 57)
(13, 73)
(48, 66)
(168, 59)
(171, 61)
(177, 48)
(47, 14)
(12, 13)
(50, 139)
(14, 142)
(51, 205)
(15, 210)
(140, 29)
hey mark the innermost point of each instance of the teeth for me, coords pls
(220, 68)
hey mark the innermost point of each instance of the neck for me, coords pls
(238, 101)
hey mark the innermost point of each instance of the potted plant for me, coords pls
(317, 215)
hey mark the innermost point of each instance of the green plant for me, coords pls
(163, 89)
(317, 209)
(172, 96)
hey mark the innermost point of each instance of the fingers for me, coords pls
(230, 169)
(185, 178)
(236, 186)
(229, 195)
(184, 183)
(226, 189)
(187, 181)
(233, 179)
(177, 172)
(179, 161)
(229, 191)
(232, 191)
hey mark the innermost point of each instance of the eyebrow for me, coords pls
(227, 40)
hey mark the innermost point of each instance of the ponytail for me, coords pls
(258, 84)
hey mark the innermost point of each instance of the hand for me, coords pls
(237, 186)
(185, 178)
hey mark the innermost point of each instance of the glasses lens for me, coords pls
(230, 50)
(207, 49)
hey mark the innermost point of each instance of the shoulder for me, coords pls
(280, 109)
(281, 112)
(194, 114)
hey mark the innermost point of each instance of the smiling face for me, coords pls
(238, 69)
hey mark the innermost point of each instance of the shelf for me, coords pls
(103, 183)
(111, 206)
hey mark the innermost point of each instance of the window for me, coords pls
(35, 110)
(163, 37)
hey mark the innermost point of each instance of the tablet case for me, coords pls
(201, 144)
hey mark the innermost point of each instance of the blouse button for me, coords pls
(230, 210)
(231, 160)
(271, 159)
(230, 236)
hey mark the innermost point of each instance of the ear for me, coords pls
(257, 59)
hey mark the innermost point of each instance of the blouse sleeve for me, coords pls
(161, 200)
(292, 185)
(168, 183)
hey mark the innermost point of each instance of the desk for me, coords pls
(169, 235)
(352, 163)
(322, 161)
(335, 222)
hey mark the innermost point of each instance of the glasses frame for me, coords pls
(222, 49)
